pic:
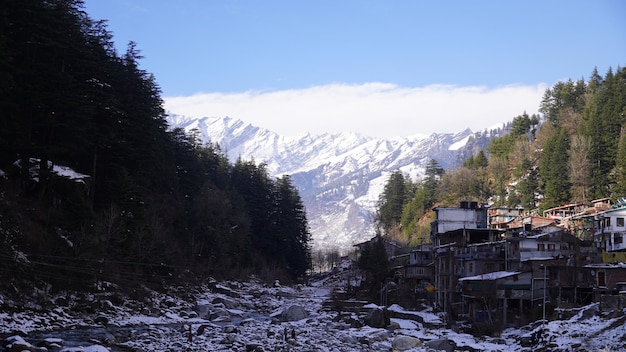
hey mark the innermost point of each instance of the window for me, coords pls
(551, 247)
(470, 268)
(541, 247)
(619, 222)
(618, 238)
(601, 278)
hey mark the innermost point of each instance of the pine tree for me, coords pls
(553, 165)
(433, 173)
(391, 201)
(292, 228)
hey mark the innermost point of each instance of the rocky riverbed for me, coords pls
(251, 316)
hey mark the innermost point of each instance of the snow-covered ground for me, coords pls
(251, 316)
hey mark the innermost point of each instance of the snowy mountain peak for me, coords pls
(339, 175)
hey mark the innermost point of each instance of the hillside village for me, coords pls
(493, 268)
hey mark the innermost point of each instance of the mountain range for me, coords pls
(339, 175)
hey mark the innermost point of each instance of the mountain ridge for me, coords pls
(339, 175)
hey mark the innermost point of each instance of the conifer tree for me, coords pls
(553, 165)
(391, 201)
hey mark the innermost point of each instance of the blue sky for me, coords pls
(382, 68)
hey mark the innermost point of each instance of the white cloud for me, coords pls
(374, 109)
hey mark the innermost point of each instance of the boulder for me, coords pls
(226, 291)
(18, 344)
(229, 339)
(377, 318)
(230, 329)
(51, 343)
(220, 314)
(102, 320)
(441, 345)
(294, 313)
(61, 301)
(403, 343)
(227, 303)
(203, 308)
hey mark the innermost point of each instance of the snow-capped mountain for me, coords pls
(339, 176)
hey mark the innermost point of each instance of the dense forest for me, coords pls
(95, 187)
(573, 152)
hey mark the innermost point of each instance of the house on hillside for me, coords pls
(461, 252)
(564, 211)
(610, 235)
(531, 224)
(513, 266)
(419, 271)
(563, 254)
(497, 297)
(608, 279)
(468, 216)
(502, 217)
(392, 248)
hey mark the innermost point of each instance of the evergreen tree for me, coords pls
(293, 232)
(499, 170)
(433, 173)
(553, 167)
(620, 167)
(391, 200)
(604, 116)
(528, 185)
(481, 161)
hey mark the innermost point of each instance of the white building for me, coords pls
(611, 230)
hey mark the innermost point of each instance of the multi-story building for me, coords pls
(459, 236)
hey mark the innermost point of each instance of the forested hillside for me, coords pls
(94, 186)
(574, 152)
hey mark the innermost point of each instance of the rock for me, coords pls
(229, 339)
(248, 322)
(403, 343)
(107, 305)
(169, 302)
(377, 318)
(294, 313)
(253, 347)
(109, 339)
(226, 291)
(380, 336)
(22, 347)
(230, 329)
(354, 323)
(18, 344)
(227, 303)
(51, 343)
(61, 301)
(203, 308)
(219, 314)
(156, 312)
(192, 314)
(284, 294)
(102, 320)
(441, 345)
(349, 340)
